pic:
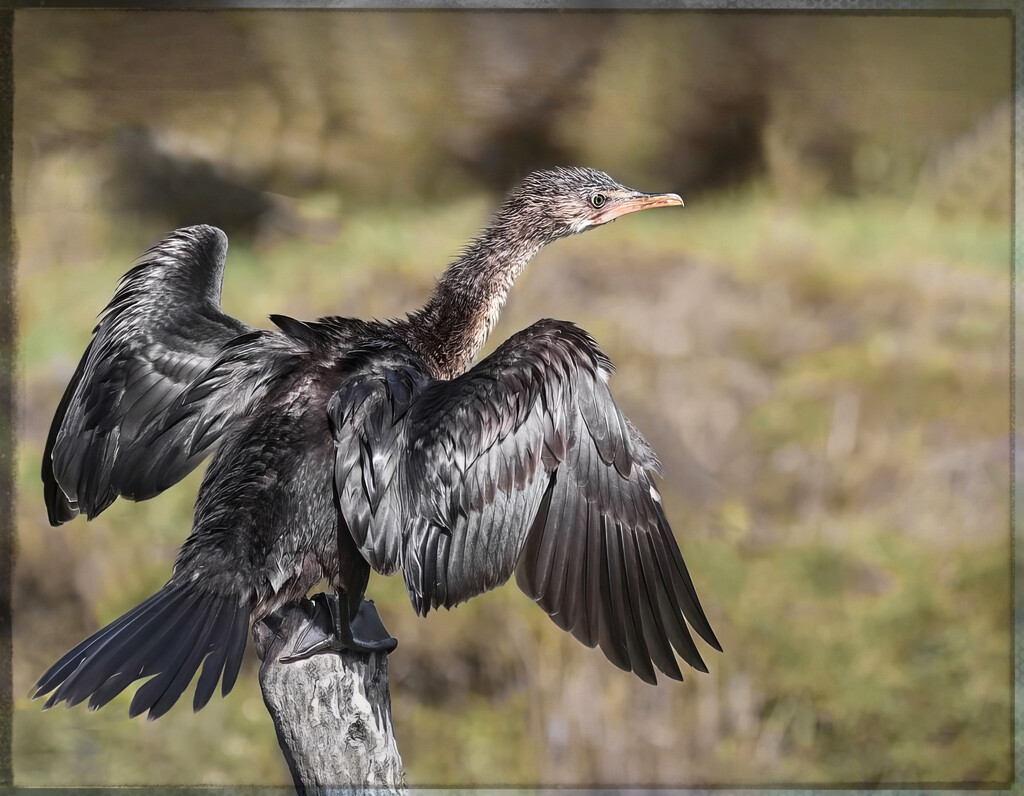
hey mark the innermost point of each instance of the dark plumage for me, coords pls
(341, 445)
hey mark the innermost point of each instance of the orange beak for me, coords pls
(635, 203)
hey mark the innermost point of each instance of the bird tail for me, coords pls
(168, 636)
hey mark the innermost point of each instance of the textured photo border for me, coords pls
(8, 340)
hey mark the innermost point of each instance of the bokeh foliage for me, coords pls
(818, 347)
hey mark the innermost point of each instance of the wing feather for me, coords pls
(523, 464)
(126, 424)
(572, 614)
(650, 605)
(611, 636)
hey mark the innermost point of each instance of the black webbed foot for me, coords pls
(328, 629)
(368, 630)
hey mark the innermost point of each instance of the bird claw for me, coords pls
(327, 630)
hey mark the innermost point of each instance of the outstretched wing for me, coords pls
(522, 464)
(128, 424)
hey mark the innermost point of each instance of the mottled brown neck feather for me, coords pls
(453, 325)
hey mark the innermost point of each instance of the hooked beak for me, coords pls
(635, 203)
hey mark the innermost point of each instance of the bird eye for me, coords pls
(598, 200)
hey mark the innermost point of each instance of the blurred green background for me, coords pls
(818, 347)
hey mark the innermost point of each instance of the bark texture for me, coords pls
(332, 712)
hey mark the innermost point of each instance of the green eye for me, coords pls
(598, 200)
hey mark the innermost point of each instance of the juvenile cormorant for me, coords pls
(340, 445)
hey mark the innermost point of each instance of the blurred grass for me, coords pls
(839, 370)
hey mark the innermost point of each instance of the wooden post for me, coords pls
(332, 712)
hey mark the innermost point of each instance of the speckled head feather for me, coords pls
(556, 203)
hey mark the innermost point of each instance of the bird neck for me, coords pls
(453, 325)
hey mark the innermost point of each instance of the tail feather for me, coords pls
(177, 658)
(152, 657)
(120, 651)
(60, 671)
(214, 663)
(168, 635)
(236, 648)
(137, 661)
(159, 694)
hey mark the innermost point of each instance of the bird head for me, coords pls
(556, 203)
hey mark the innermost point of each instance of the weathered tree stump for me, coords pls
(332, 712)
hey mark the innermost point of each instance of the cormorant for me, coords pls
(340, 445)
